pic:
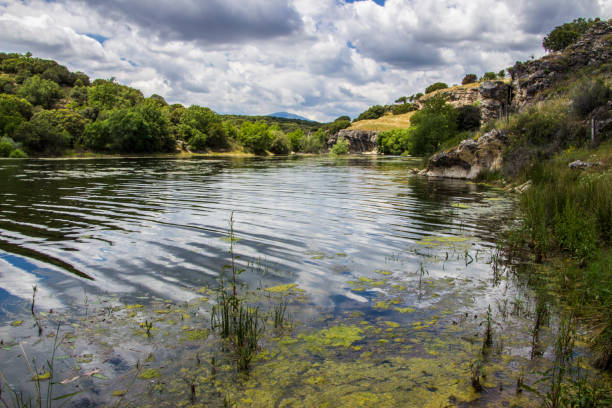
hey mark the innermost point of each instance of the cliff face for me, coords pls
(531, 77)
(359, 140)
(529, 81)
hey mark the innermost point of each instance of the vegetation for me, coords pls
(469, 79)
(341, 147)
(395, 142)
(373, 112)
(435, 87)
(566, 34)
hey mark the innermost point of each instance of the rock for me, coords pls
(470, 158)
(360, 141)
(523, 187)
(579, 164)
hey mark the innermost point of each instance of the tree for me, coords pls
(13, 111)
(432, 125)
(403, 99)
(373, 112)
(41, 136)
(396, 141)
(256, 137)
(97, 136)
(562, 36)
(341, 147)
(469, 79)
(280, 143)
(403, 108)
(40, 91)
(107, 95)
(65, 120)
(489, 76)
(501, 74)
(296, 140)
(435, 87)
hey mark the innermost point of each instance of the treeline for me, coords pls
(46, 110)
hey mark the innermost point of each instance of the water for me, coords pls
(407, 265)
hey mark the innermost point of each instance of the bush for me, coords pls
(280, 144)
(6, 148)
(435, 87)
(395, 142)
(338, 125)
(489, 76)
(469, 79)
(468, 118)
(108, 95)
(432, 125)
(207, 122)
(590, 96)
(18, 154)
(97, 137)
(373, 112)
(562, 36)
(297, 140)
(197, 143)
(403, 108)
(13, 111)
(341, 147)
(315, 142)
(40, 91)
(255, 137)
(40, 136)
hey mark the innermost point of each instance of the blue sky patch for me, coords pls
(99, 38)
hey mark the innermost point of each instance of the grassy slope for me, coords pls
(386, 122)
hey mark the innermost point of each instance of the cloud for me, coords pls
(318, 59)
(210, 21)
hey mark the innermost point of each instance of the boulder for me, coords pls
(360, 141)
(470, 158)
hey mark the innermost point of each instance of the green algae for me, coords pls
(404, 309)
(136, 306)
(17, 323)
(460, 205)
(149, 374)
(288, 288)
(196, 334)
(383, 272)
(335, 336)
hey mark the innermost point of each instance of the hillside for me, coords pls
(385, 122)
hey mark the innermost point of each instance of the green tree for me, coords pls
(107, 95)
(468, 118)
(65, 120)
(489, 76)
(469, 79)
(97, 136)
(40, 91)
(280, 143)
(341, 147)
(13, 111)
(207, 122)
(256, 137)
(403, 108)
(395, 142)
(432, 125)
(296, 140)
(435, 87)
(403, 99)
(562, 36)
(373, 112)
(41, 136)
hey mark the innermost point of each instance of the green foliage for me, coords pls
(395, 142)
(256, 137)
(65, 120)
(435, 87)
(341, 147)
(468, 118)
(562, 36)
(373, 112)
(42, 136)
(315, 143)
(13, 111)
(18, 154)
(206, 122)
(489, 76)
(403, 99)
(280, 143)
(108, 95)
(403, 108)
(197, 142)
(432, 125)
(469, 79)
(337, 125)
(6, 86)
(6, 146)
(97, 137)
(40, 91)
(501, 74)
(79, 95)
(589, 96)
(297, 140)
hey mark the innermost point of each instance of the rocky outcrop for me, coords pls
(495, 99)
(531, 77)
(470, 158)
(359, 140)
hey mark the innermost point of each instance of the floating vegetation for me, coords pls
(437, 241)
(335, 336)
(149, 374)
(284, 289)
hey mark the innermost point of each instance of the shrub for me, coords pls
(6, 148)
(432, 125)
(489, 76)
(315, 142)
(403, 108)
(280, 143)
(469, 79)
(338, 125)
(341, 147)
(40, 91)
(468, 118)
(435, 87)
(589, 96)
(296, 140)
(562, 36)
(396, 141)
(42, 137)
(18, 154)
(373, 112)
(97, 136)
(197, 142)
(256, 137)
(13, 111)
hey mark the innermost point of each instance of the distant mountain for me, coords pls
(287, 115)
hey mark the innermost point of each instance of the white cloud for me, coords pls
(319, 59)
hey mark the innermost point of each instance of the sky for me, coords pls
(319, 59)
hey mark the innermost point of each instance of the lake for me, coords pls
(390, 281)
